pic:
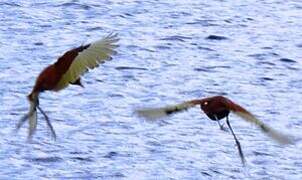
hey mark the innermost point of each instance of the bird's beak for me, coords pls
(77, 82)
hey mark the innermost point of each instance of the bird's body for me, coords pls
(49, 78)
(216, 108)
(67, 70)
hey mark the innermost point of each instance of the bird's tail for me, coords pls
(274, 134)
(157, 113)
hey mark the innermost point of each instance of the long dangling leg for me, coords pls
(53, 133)
(220, 125)
(237, 142)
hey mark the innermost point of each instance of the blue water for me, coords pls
(249, 51)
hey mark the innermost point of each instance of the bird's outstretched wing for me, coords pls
(89, 57)
(153, 114)
(246, 115)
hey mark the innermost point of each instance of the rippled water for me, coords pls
(169, 52)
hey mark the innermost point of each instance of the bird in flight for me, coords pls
(67, 70)
(217, 108)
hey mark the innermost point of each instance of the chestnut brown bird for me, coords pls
(217, 108)
(67, 70)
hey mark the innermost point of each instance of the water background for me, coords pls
(170, 51)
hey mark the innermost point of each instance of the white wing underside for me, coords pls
(97, 53)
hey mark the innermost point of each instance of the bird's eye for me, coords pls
(205, 103)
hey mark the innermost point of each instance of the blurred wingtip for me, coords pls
(284, 139)
(279, 137)
(151, 114)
